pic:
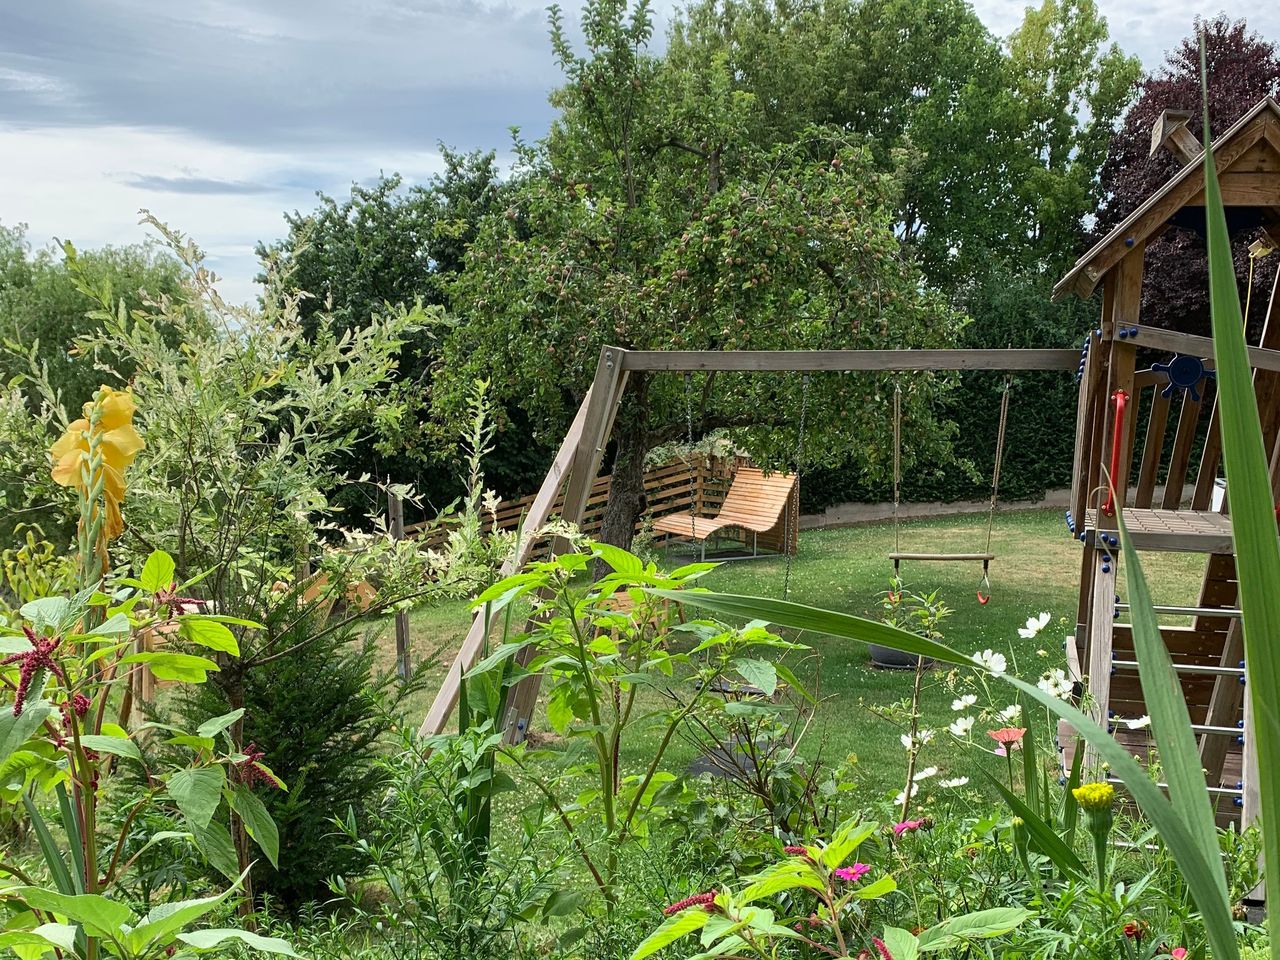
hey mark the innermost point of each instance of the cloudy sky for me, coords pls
(217, 115)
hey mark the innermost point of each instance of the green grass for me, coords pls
(1037, 568)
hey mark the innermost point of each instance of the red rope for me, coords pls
(1117, 446)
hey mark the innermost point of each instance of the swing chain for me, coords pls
(788, 532)
(689, 455)
(897, 467)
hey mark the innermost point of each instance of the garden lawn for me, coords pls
(1036, 569)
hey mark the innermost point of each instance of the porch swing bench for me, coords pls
(755, 503)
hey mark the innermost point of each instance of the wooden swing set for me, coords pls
(577, 462)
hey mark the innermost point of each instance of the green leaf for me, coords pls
(848, 837)
(163, 922)
(182, 667)
(902, 944)
(787, 875)
(208, 939)
(1043, 837)
(257, 821)
(954, 931)
(211, 728)
(758, 673)
(1253, 516)
(157, 572)
(877, 888)
(113, 745)
(53, 859)
(197, 792)
(99, 916)
(15, 731)
(214, 842)
(562, 903)
(116, 625)
(60, 935)
(620, 560)
(682, 924)
(1170, 721)
(503, 653)
(208, 633)
(784, 672)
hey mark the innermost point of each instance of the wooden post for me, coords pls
(395, 509)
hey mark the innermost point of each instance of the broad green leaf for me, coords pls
(902, 944)
(197, 792)
(877, 888)
(214, 842)
(954, 931)
(675, 927)
(619, 559)
(1253, 514)
(208, 633)
(1043, 837)
(160, 924)
(502, 654)
(113, 745)
(99, 916)
(116, 625)
(787, 875)
(564, 902)
(67, 882)
(182, 667)
(15, 731)
(208, 939)
(48, 612)
(257, 821)
(213, 727)
(758, 673)
(784, 672)
(60, 935)
(848, 837)
(157, 572)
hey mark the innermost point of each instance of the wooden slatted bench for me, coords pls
(756, 503)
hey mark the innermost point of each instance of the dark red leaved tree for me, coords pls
(1243, 68)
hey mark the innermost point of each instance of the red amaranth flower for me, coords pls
(168, 597)
(884, 951)
(80, 704)
(252, 770)
(794, 851)
(705, 900)
(39, 657)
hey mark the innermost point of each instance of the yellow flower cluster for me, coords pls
(117, 442)
(1094, 796)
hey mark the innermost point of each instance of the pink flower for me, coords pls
(854, 873)
(705, 900)
(1179, 953)
(39, 657)
(884, 951)
(906, 826)
(1007, 736)
(795, 851)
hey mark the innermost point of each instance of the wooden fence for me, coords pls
(698, 485)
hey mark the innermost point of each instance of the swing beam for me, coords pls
(578, 461)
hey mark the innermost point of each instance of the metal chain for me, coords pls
(787, 531)
(995, 473)
(897, 462)
(693, 480)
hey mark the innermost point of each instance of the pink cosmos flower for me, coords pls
(906, 826)
(1007, 736)
(854, 873)
(1179, 953)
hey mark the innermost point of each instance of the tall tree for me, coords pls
(1243, 68)
(650, 218)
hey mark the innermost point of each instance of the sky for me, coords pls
(219, 116)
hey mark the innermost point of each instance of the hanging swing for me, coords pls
(986, 556)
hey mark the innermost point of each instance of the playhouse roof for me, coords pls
(1255, 185)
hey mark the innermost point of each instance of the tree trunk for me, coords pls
(632, 439)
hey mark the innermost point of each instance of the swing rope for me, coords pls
(787, 525)
(984, 585)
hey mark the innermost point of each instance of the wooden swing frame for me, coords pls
(577, 461)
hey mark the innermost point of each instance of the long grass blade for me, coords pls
(1253, 512)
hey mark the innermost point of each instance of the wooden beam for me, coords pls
(848, 360)
(468, 654)
(1260, 358)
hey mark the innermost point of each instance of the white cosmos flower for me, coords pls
(924, 736)
(965, 702)
(925, 774)
(994, 663)
(1010, 713)
(1056, 683)
(1138, 724)
(962, 727)
(957, 782)
(1034, 626)
(901, 798)
(906, 741)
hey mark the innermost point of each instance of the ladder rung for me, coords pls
(1225, 612)
(1211, 669)
(1208, 728)
(1221, 791)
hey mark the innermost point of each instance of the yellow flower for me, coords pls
(118, 443)
(1094, 796)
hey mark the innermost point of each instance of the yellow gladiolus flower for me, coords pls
(118, 444)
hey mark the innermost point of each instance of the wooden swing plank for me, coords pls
(942, 556)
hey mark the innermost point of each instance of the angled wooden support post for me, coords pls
(606, 394)
(395, 509)
(543, 503)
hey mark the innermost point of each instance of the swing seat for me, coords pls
(755, 502)
(984, 557)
